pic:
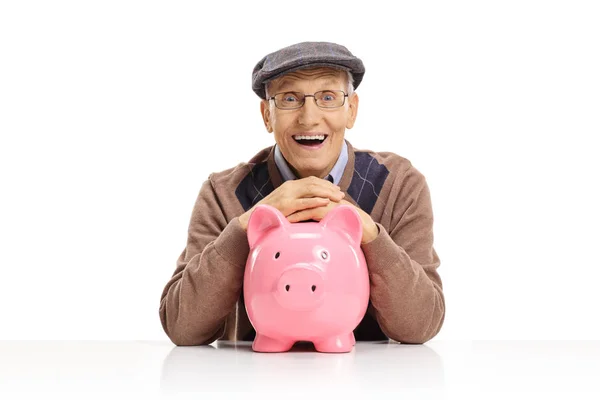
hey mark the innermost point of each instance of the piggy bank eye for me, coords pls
(276, 255)
(324, 255)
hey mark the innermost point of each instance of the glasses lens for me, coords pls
(330, 98)
(289, 100)
(324, 99)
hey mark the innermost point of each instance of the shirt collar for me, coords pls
(336, 172)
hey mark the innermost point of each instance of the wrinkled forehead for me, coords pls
(323, 76)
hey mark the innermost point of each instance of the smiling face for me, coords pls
(310, 120)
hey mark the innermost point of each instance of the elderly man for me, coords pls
(308, 101)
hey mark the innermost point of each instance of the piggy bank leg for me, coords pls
(336, 344)
(265, 344)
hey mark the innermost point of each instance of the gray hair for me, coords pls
(349, 88)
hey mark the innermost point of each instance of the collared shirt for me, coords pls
(334, 176)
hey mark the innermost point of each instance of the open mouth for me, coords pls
(310, 140)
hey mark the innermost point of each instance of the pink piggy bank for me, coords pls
(305, 281)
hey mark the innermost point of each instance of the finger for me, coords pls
(315, 214)
(314, 179)
(312, 186)
(299, 216)
(318, 189)
(310, 202)
(289, 206)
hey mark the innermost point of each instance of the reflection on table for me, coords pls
(235, 367)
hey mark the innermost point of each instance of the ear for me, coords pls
(265, 112)
(345, 219)
(263, 219)
(352, 110)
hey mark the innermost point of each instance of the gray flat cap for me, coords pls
(303, 55)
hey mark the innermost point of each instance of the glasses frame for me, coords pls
(314, 96)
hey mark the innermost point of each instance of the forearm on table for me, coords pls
(198, 299)
(407, 297)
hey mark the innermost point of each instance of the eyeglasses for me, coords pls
(323, 99)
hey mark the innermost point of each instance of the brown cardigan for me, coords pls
(203, 302)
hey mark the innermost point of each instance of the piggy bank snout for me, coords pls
(300, 288)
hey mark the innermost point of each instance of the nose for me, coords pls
(300, 288)
(309, 113)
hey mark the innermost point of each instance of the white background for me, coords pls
(113, 113)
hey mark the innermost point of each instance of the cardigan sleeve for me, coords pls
(406, 288)
(207, 281)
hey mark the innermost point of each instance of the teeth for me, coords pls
(304, 137)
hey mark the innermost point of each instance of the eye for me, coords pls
(290, 97)
(328, 96)
(324, 255)
(277, 255)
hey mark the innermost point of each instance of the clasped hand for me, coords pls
(310, 198)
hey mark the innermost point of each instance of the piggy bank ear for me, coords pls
(345, 219)
(263, 219)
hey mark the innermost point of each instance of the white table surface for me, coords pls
(438, 369)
